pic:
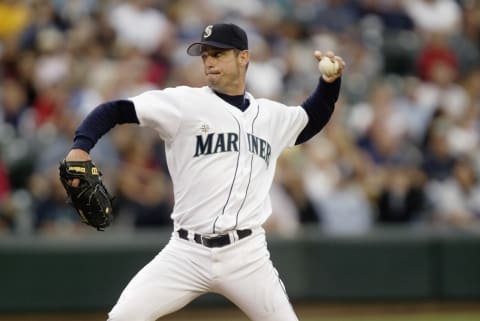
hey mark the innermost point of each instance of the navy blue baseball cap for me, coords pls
(220, 35)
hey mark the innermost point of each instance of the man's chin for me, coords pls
(212, 83)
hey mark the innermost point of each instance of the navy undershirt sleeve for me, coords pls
(100, 120)
(319, 107)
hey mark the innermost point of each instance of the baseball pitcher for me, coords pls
(222, 145)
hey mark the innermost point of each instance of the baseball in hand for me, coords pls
(328, 67)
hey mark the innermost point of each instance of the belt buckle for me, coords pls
(216, 240)
(205, 239)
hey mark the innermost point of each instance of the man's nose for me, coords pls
(209, 60)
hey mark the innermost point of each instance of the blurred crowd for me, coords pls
(402, 146)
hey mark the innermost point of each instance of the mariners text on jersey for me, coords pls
(228, 142)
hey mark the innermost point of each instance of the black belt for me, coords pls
(214, 241)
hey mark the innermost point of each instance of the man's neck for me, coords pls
(238, 101)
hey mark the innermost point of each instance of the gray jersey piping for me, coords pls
(234, 176)
(251, 170)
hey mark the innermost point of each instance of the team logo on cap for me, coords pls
(208, 31)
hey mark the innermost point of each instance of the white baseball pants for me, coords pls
(242, 272)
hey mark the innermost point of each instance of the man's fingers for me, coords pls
(330, 54)
(74, 182)
(341, 63)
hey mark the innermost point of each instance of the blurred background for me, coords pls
(390, 183)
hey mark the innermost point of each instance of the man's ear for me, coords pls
(244, 57)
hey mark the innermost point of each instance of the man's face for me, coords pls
(225, 69)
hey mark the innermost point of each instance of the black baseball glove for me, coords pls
(90, 198)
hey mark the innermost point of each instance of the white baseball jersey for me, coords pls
(221, 160)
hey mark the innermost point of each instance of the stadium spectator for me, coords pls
(435, 15)
(144, 192)
(402, 198)
(457, 199)
(139, 25)
(6, 215)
